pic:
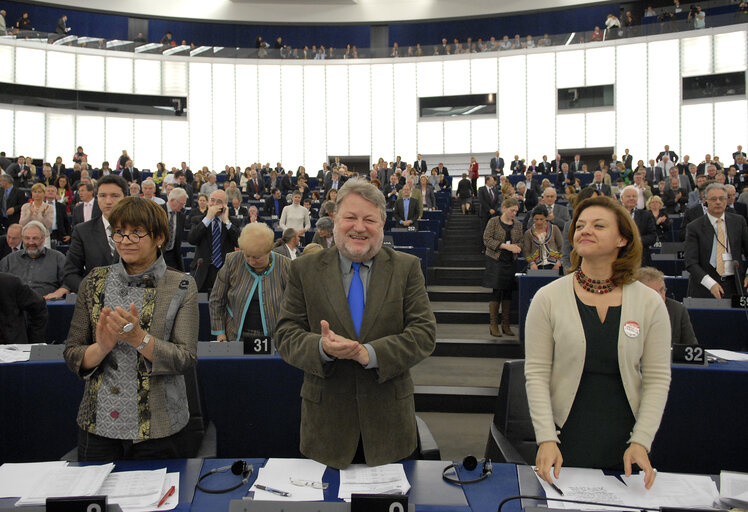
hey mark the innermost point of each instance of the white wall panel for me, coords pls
(269, 91)
(247, 130)
(457, 137)
(360, 114)
(146, 152)
(7, 135)
(430, 79)
(175, 77)
(512, 106)
(90, 133)
(382, 122)
(61, 137)
(119, 136)
(292, 103)
(600, 64)
(696, 56)
(315, 134)
(601, 127)
(456, 77)
(176, 144)
(541, 106)
(664, 96)
(631, 100)
(431, 138)
(201, 115)
(30, 133)
(570, 132)
(60, 70)
(224, 116)
(727, 133)
(406, 111)
(7, 63)
(30, 66)
(698, 136)
(484, 133)
(570, 68)
(336, 96)
(148, 77)
(90, 72)
(119, 75)
(729, 52)
(483, 75)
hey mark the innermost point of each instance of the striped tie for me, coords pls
(217, 256)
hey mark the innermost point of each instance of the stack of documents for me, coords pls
(134, 491)
(362, 479)
(669, 489)
(733, 489)
(14, 353)
(280, 475)
(727, 355)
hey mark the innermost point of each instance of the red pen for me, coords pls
(166, 496)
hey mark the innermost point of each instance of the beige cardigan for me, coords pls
(555, 351)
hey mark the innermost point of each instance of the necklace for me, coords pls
(594, 285)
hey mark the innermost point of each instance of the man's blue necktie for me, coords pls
(356, 298)
(216, 243)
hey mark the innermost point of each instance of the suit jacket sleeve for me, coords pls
(197, 232)
(398, 213)
(687, 336)
(693, 249)
(74, 259)
(649, 234)
(36, 308)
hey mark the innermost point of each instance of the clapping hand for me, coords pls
(340, 347)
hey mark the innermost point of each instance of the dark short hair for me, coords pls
(113, 179)
(539, 210)
(88, 186)
(178, 174)
(140, 212)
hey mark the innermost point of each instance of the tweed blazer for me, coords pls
(555, 350)
(230, 297)
(494, 236)
(170, 358)
(342, 401)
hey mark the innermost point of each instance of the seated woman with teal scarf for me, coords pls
(246, 297)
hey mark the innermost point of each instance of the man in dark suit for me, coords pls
(290, 246)
(597, 184)
(420, 164)
(357, 338)
(691, 215)
(644, 221)
(87, 208)
(671, 154)
(576, 164)
(681, 330)
(275, 203)
(556, 164)
(255, 186)
(517, 166)
(532, 183)
(558, 214)
(336, 181)
(172, 248)
(407, 209)
(62, 27)
(23, 312)
(11, 201)
(215, 236)
(627, 159)
(733, 206)
(61, 229)
(527, 196)
(565, 177)
(91, 244)
(11, 241)
(398, 164)
(545, 167)
(490, 200)
(442, 170)
(497, 165)
(20, 172)
(716, 244)
(130, 173)
(391, 190)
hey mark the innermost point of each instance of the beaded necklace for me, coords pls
(597, 286)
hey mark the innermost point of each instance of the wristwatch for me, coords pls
(146, 339)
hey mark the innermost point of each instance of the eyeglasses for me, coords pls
(119, 236)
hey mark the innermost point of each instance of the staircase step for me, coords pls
(455, 399)
(461, 312)
(460, 260)
(457, 276)
(459, 293)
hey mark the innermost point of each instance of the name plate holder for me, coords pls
(689, 354)
(259, 346)
(46, 352)
(740, 302)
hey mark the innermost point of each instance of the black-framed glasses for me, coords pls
(119, 236)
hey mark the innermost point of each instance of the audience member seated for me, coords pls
(42, 269)
(209, 186)
(246, 299)
(295, 216)
(542, 243)
(681, 330)
(23, 312)
(714, 258)
(149, 192)
(288, 244)
(11, 241)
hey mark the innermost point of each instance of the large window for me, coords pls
(572, 98)
(454, 106)
(714, 86)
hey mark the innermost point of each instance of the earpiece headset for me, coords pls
(469, 463)
(239, 467)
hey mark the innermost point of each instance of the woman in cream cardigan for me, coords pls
(597, 351)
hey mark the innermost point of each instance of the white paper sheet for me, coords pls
(586, 485)
(733, 488)
(673, 490)
(170, 503)
(134, 488)
(727, 355)
(67, 481)
(278, 473)
(14, 353)
(360, 478)
(18, 480)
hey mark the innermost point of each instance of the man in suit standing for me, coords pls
(532, 183)
(733, 206)
(20, 172)
(420, 164)
(565, 177)
(62, 27)
(576, 164)
(681, 330)
(597, 184)
(556, 164)
(558, 214)
(215, 236)
(643, 219)
(497, 165)
(255, 186)
(357, 338)
(11, 241)
(87, 208)
(545, 167)
(391, 191)
(407, 209)
(671, 154)
(11, 201)
(490, 200)
(290, 246)
(737, 153)
(335, 183)
(91, 244)
(172, 248)
(398, 164)
(274, 204)
(627, 159)
(716, 244)
(442, 170)
(61, 230)
(130, 173)
(517, 166)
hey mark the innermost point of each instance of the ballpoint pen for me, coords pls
(277, 492)
(166, 496)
